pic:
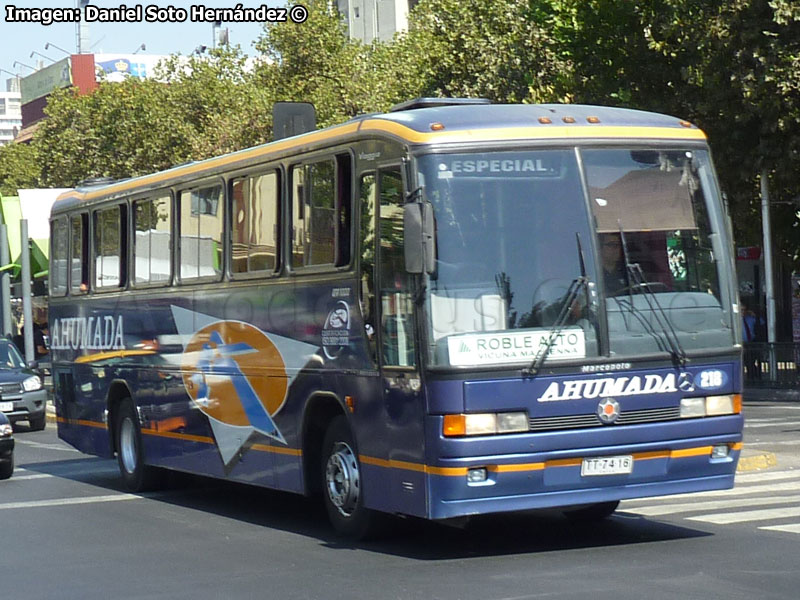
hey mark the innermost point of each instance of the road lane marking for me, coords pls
(69, 501)
(61, 447)
(737, 491)
(34, 476)
(774, 424)
(768, 476)
(782, 443)
(791, 528)
(748, 515)
(668, 509)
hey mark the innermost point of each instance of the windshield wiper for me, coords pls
(637, 280)
(575, 287)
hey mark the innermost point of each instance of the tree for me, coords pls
(19, 168)
(317, 62)
(504, 50)
(197, 107)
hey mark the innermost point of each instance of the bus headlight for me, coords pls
(711, 406)
(485, 423)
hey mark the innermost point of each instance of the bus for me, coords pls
(451, 309)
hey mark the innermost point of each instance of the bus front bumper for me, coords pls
(491, 484)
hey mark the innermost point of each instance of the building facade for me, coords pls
(10, 116)
(369, 20)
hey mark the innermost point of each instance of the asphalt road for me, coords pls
(67, 530)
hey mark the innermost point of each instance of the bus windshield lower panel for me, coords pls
(514, 234)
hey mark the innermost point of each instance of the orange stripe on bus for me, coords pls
(405, 133)
(278, 450)
(535, 466)
(82, 422)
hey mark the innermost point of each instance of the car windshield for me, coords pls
(514, 234)
(10, 358)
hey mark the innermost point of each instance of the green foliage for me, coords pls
(19, 168)
(504, 50)
(731, 66)
(317, 62)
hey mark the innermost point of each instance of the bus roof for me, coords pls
(433, 123)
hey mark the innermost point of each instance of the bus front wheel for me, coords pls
(136, 476)
(342, 489)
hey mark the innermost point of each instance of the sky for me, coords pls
(19, 40)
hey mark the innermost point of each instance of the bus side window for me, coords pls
(152, 242)
(367, 191)
(201, 227)
(397, 324)
(321, 212)
(254, 242)
(344, 208)
(109, 230)
(59, 236)
(79, 257)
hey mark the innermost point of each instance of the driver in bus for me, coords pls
(615, 276)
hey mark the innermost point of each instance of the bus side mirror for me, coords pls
(418, 237)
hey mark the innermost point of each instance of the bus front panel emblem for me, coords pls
(608, 411)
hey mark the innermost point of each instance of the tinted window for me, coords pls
(314, 218)
(201, 232)
(152, 241)
(254, 230)
(108, 268)
(59, 259)
(79, 281)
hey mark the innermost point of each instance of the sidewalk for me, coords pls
(765, 394)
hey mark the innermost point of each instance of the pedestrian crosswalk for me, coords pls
(769, 500)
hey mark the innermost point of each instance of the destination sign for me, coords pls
(475, 349)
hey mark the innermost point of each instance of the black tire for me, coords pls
(592, 513)
(136, 476)
(7, 468)
(342, 492)
(38, 424)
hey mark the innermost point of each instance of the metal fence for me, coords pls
(772, 365)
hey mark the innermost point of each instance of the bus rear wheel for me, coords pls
(137, 476)
(342, 490)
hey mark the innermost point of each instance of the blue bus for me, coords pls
(452, 309)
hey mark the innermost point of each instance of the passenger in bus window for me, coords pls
(614, 273)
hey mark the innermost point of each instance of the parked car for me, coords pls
(6, 448)
(23, 396)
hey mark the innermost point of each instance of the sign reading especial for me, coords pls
(509, 347)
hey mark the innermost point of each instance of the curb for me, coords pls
(756, 461)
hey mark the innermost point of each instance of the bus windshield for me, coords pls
(514, 234)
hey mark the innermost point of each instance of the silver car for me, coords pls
(23, 396)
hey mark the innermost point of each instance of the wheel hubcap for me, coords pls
(127, 445)
(342, 479)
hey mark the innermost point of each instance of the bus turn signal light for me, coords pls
(484, 424)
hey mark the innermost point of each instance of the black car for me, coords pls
(23, 396)
(6, 448)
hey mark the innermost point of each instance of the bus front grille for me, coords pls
(630, 417)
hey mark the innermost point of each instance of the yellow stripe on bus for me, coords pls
(405, 133)
(82, 422)
(534, 466)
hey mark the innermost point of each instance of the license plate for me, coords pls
(6, 406)
(607, 465)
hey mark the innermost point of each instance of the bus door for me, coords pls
(389, 316)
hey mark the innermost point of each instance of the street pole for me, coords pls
(769, 278)
(5, 282)
(27, 312)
